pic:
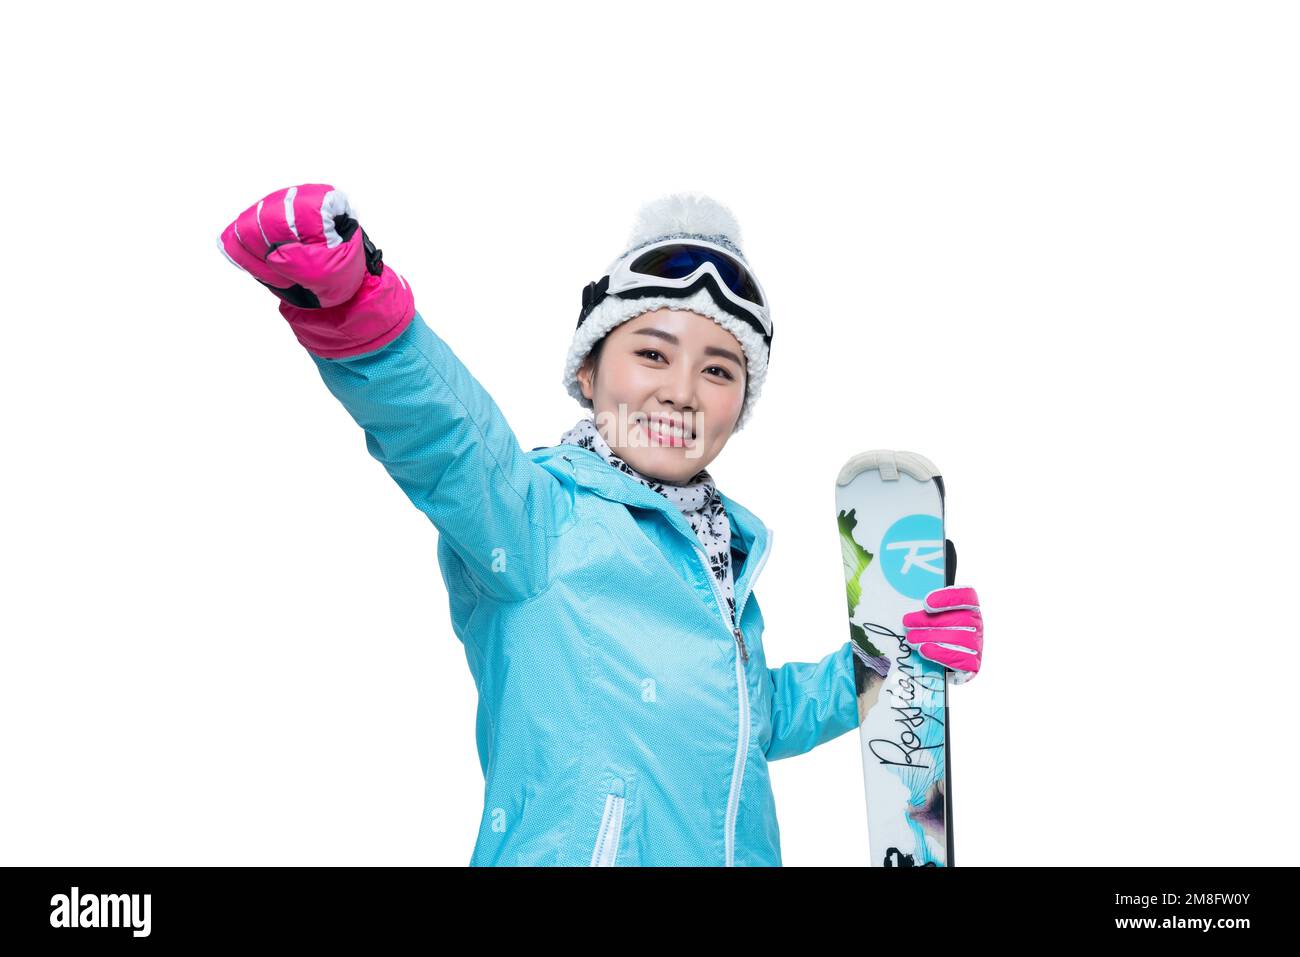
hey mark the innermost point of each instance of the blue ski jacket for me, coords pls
(621, 719)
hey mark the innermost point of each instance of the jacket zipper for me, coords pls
(735, 631)
(742, 655)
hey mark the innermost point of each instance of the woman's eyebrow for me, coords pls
(708, 350)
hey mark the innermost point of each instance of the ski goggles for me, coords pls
(679, 268)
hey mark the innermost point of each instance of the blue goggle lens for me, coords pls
(681, 259)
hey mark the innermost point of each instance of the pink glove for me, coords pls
(304, 244)
(951, 616)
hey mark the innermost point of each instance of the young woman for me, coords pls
(603, 588)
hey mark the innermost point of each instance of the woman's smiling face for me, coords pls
(674, 367)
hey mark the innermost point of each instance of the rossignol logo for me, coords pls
(922, 554)
(911, 555)
(101, 910)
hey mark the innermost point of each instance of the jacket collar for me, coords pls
(748, 534)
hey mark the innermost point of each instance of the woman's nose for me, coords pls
(679, 389)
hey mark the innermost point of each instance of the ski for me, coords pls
(889, 508)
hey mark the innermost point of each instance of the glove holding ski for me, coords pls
(304, 244)
(949, 631)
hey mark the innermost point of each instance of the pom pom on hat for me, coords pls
(684, 214)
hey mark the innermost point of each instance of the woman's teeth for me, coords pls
(665, 431)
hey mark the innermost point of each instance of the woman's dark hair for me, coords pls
(594, 357)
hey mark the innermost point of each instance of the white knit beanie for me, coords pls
(679, 216)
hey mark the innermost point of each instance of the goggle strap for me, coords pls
(592, 296)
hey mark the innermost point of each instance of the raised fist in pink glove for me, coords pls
(304, 244)
(951, 617)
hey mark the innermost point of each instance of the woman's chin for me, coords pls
(666, 463)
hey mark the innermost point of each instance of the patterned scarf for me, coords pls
(698, 499)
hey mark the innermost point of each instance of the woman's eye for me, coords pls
(654, 354)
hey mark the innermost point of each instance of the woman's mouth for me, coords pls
(660, 433)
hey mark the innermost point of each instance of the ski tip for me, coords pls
(889, 463)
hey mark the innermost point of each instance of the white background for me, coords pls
(1050, 246)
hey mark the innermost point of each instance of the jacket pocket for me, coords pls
(606, 849)
(610, 833)
(615, 839)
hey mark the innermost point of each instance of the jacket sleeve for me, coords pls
(812, 703)
(447, 445)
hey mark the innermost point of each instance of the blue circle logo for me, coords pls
(911, 555)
